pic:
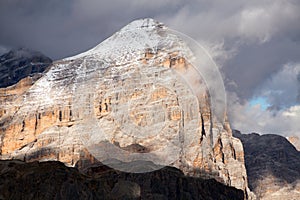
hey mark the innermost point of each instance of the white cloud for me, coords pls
(250, 27)
(265, 20)
(218, 51)
(249, 20)
(280, 89)
(248, 119)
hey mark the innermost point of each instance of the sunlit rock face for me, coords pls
(136, 96)
(294, 140)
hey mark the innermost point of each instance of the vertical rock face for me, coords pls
(127, 99)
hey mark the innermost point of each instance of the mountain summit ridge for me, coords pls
(135, 37)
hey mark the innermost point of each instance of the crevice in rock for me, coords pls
(36, 123)
(183, 119)
(70, 112)
(203, 133)
(71, 115)
(1, 143)
(229, 180)
(233, 151)
(28, 144)
(60, 116)
(100, 107)
(219, 150)
(23, 125)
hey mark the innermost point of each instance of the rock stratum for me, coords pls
(273, 166)
(130, 98)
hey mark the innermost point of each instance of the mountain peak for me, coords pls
(146, 23)
(135, 37)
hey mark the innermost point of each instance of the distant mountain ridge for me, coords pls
(273, 166)
(20, 63)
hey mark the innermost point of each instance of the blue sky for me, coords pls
(261, 101)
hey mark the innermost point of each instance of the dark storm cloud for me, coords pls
(34, 24)
(62, 28)
(252, 41)
(298, 85)
(254, 63)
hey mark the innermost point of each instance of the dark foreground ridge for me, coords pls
(53, 180)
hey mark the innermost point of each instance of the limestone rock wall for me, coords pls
(139, 97)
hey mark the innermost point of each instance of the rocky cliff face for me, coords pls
(53, 180)
(273, 166)
(130, 98)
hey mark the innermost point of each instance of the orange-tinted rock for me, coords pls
(294, 140)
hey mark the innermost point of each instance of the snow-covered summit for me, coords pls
(133, 39)
(146, 23)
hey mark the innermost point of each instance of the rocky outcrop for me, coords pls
(53, 180)
(130, 98)
(20, 63)
(294, 140)
(273, 166)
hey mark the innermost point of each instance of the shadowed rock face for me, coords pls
(273, 165)
(53, 180)
(18, 64)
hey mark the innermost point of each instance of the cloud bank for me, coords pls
(282, 92)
